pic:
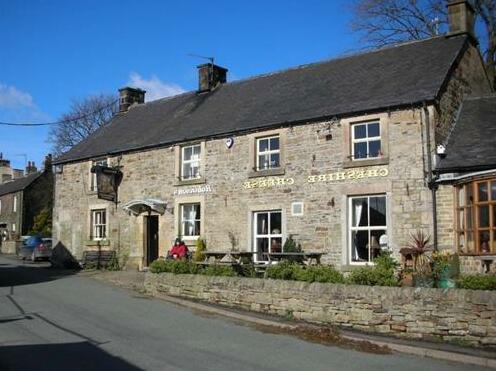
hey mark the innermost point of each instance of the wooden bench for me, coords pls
(97, 258)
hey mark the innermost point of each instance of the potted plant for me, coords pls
(416, 263)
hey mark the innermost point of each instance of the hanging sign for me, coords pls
(107, 182)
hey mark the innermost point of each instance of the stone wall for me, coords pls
(458, 316)
(8, 216)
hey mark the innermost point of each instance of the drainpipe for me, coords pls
(430, 183)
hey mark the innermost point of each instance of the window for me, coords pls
(366, 141)
(102, 162)
(267, 233)
(367, 227)
(190, 162)
(190, 220)
(476, 217)
(268, 153)
(14, 207)
(98, 224)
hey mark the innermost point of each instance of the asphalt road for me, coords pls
(54, 320)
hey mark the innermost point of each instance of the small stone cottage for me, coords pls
(338, 154)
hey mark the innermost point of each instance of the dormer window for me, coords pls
(190, 162)
(366, 141)
(268, 153)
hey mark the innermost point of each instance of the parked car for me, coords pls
(34, 248)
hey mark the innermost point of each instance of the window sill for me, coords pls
(361, 163)
(97, 243)
(190, 182)
(268, 172)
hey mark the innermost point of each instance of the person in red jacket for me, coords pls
(179, 250)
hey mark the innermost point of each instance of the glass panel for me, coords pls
(461, 220)
(262, 223)
(187, 172)
(470, 217)
(263, 145)
(359, 212)
(461, 196)
(276, 244)
(377, 211)
(262, 246)
(493, 241)
(470, 242)
(187, 152)
(197, 151)
(483, 191)
(374, 148)
(375, 248)
(274, 160)
(483, 216)
(360, 150)
(374, 130)
(470, 193)
(484, 241)
(360, 131)
(493, 191)
(359, 242)
(263, 162)
(461, 243)
(274, 143)
(196, 208)
(275, 223)
(493, 207)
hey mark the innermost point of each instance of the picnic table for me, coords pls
(228, 256)
(308, 257)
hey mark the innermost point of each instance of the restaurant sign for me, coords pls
(349, 175)
(193, 190)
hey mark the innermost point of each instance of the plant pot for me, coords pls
(446, 283)
(407, 280)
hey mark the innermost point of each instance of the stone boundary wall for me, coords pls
(466, 317)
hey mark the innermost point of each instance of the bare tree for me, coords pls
(383, 22)
(84, 117)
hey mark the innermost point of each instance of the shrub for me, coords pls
(320, 273)
(158, 266)
(218, 270)
(381, 274)
(173, 266)
(477, 282)
(285, 270)
(199, 254)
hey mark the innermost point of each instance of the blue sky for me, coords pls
(55, 51)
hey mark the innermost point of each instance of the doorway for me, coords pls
(151, 239)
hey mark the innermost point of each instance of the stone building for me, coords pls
(23, 198)
(338, 154)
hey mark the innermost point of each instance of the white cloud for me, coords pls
(11, 97)
(155, 88)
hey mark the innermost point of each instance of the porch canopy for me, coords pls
(137, 207)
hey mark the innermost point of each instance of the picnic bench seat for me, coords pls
(97, 258)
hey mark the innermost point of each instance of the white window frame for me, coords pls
(101, 162)
(193, 160)
(368, 228)
(95, 227)
(267, 152)
(268, 235)
(13, 228)
(367, 140)
(14, 206)
(183, 220)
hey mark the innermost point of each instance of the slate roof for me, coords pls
(384, 78)
(472, 144)
(18, 184)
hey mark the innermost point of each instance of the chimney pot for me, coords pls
(461, 17)
(210, 76)
(129, 96)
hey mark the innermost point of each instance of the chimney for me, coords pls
(47, 164)
(31, 168)
(129, 96)
(210, 76)
(461, 18)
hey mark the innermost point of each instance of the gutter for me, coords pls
(430, 183)
(464, 176)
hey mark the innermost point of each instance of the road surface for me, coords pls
(54, 320)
